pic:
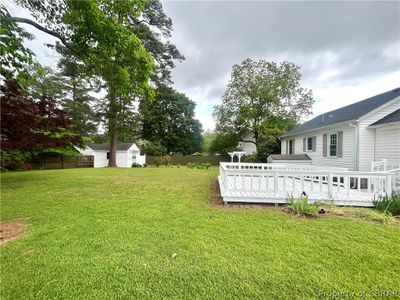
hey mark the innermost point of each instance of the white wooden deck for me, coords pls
(272, 183)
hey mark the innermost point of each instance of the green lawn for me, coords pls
(110, 233)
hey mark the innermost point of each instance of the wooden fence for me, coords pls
(61, 162)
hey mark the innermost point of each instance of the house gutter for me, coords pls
(356, 142)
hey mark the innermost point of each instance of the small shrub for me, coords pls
(388, 204)
(250, 158)
(190, 165)
(207, 165)
(301, 206)
(136, 165)
(144, 165)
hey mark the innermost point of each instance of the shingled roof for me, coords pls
(393, 117)
(290, 157)
(106, 146)
(344, 114)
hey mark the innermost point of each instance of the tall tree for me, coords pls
(96, 33)
(169, 121)
(77, 100)
(258, 95)
(153, 27)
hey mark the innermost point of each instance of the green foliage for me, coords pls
(250, 158)
(153, 149)
(208, 139)
(198, 165)
(260, 99)
(169, 121)
(224, 143)
(301, 206)
(388, 204)
(136, 165)
(15, 58)
(13, 159)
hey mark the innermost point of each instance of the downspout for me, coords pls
(355, 145)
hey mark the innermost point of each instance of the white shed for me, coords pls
(127, 154)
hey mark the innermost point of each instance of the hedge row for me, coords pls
(213, 160)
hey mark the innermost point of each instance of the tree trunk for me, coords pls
(112, 162)
(256, 139)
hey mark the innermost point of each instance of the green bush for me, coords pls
(388, 204)
(198, 165)
(250, 158)
(136, 165)
(301, 206)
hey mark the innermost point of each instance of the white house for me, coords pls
(352, 136)
(127, 154)
(247, 145)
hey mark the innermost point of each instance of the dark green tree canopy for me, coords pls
(15, 58)
(169, 121)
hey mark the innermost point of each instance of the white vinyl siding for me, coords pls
(347, 159)
(367, 135)
(387, 142)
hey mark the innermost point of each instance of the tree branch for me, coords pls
(248, 142)
(41, 28)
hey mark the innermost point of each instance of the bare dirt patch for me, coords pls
(11, 231)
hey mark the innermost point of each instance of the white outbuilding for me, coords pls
(127, 154)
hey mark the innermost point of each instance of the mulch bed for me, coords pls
(10, 231)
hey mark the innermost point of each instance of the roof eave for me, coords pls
(318, 128)
(384, 124)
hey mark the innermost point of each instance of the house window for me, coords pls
(309, 144)
(333, 144)
(108, 155)
(291, 143)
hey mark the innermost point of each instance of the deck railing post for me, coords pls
(330, 179)
(389, 184)
(384, 164)
(275, 183)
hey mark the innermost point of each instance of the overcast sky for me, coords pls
(348, 51)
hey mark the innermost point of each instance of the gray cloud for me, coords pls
(334, 42)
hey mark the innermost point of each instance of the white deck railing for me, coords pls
(272, 183)
(385, 165)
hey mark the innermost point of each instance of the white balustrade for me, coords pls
(253, 182)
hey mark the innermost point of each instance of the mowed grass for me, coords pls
(110, 234)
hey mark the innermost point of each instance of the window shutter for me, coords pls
(304, 144)
(324, 145)
(287, 146)
(314, 143)
(294, 144)
(340, 144)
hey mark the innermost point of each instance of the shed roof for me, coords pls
(348, 113)
(106, 146)
(393, 117)
(290, 157)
